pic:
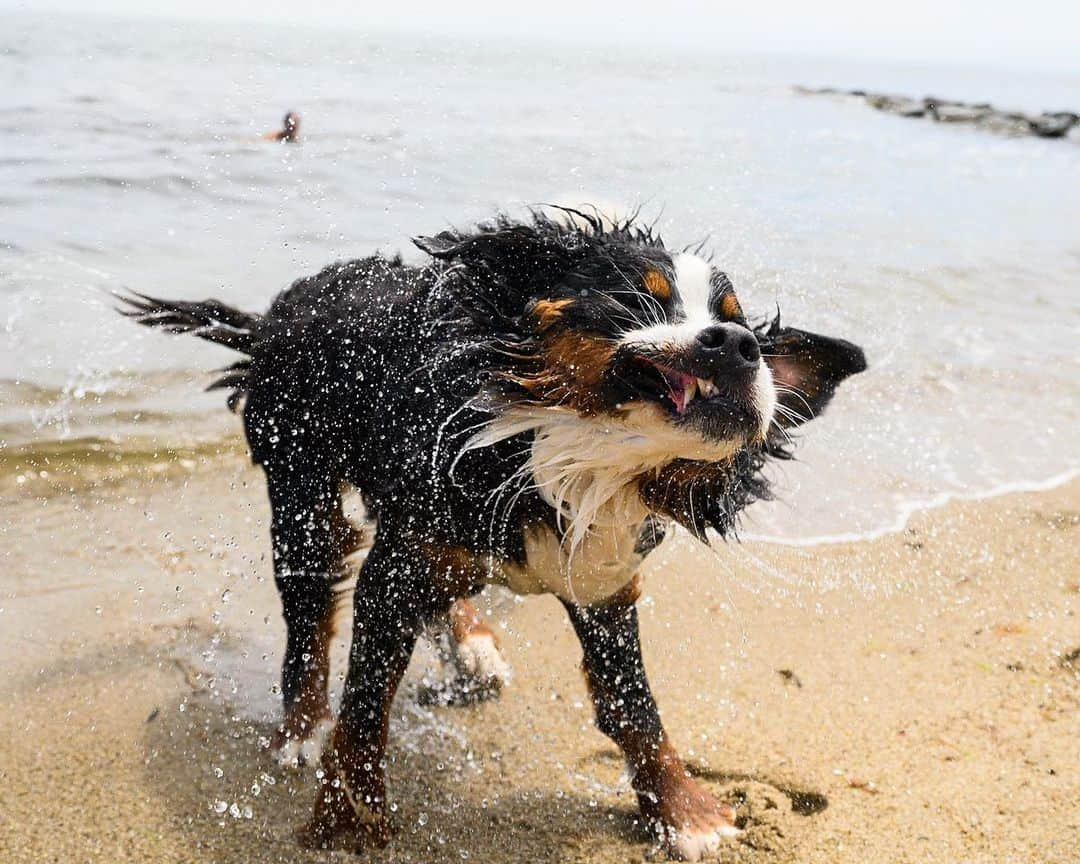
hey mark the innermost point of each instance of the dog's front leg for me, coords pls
(687, 819)
(395, 597)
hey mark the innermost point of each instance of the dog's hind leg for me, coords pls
(686, 818)
(311, 537)
(470, 652)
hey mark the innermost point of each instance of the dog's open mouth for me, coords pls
(680, 392)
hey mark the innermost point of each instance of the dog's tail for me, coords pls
(211, 320)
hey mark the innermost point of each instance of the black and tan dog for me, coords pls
(529, 409)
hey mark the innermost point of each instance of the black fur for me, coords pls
(375, 374)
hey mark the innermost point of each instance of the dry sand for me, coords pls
(906, 699)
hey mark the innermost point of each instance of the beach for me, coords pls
(912, 697)
(885, 669)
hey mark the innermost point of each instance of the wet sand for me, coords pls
(914, 698)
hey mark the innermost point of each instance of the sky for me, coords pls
(1032, 33)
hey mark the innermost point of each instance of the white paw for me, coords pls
(307, 750)
(698, 845)
(478, 656)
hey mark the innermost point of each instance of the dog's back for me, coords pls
(321, 376)
(322, 367)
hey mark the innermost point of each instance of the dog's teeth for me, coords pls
(705, 387)
(691, 390)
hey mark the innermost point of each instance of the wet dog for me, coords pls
(530, 408)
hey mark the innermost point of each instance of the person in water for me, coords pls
(290, 131)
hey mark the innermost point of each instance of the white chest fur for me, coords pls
(602, 563)
(588, 469)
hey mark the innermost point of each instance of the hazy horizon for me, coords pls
(922, 31)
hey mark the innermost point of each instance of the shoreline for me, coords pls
(912, 509)
(88, 460)
(907, 698)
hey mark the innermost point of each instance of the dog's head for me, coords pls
(646, 354)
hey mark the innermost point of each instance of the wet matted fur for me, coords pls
(528, 408)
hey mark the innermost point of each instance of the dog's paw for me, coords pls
(691, 824)
(701, 842)
(478, 657)
(304, 746)
(353, 838)
(478, 673)
(343, 820)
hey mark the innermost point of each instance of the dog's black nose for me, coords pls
(729, 347)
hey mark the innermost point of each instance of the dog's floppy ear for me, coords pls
(806, 367)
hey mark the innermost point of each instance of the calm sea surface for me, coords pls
(130, 158)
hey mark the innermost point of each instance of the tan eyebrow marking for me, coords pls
(548, 312)
(729, 306)
(657, 284)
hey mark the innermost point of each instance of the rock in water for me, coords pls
(1049, 124)
(1053, 125)
(897, 105)
(956, 113)
(1005, 123)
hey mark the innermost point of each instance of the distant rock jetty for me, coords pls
(1049, 124)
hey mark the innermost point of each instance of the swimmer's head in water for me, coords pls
(292, 126)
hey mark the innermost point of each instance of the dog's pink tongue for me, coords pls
(679, 386)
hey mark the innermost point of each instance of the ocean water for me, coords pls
(130, 157)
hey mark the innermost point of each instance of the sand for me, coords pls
(912, 698)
